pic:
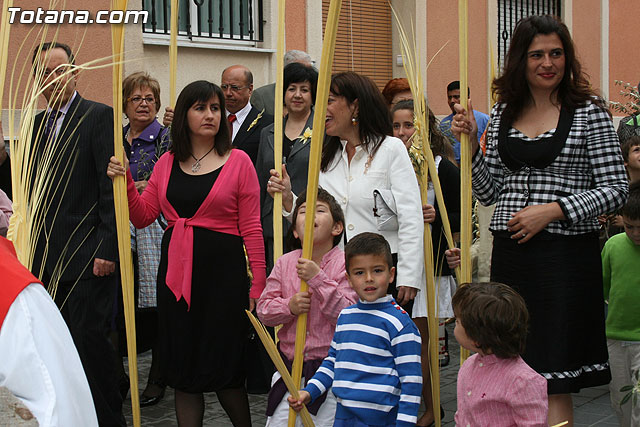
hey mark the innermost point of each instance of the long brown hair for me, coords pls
(440, 145)
(512, 87)
(198, 91)
(374, 119)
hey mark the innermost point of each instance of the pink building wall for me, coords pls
(442, 27)
(296, 24)
(88, 42)
(586, 35)
(624, 39)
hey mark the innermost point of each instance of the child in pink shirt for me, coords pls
(329, 292)
(495, 386)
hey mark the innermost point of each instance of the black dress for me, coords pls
(560, 279)
(202, 348)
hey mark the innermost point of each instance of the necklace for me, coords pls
(196, 166)
(128, 134)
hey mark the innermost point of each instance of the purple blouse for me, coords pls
(145, 150)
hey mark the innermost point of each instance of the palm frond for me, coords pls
(420, 153)
(274, 354)
(36, 161)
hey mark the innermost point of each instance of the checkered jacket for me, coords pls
(587, 178)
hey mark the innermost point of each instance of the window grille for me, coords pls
(512, 11)
(214, 19)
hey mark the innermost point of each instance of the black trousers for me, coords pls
(87, 308)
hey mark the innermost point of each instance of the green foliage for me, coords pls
(630, 92)
(632, 391)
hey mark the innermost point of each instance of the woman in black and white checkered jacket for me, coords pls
(552, 165)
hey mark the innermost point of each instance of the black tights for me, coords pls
(190, 407)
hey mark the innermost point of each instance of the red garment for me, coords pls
(483, 141)
(232, 207)
(15, 277)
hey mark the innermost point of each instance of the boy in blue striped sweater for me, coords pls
(373, 366)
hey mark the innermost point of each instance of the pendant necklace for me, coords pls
(196, 166)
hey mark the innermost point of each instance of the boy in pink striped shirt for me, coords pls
(329, 292)
(495, 386)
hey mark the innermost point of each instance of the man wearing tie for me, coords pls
(78, 242)
(246, 121)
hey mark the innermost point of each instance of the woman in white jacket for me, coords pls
(360, 158)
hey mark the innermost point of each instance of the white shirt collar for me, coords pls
(242, 114)
(385, 298)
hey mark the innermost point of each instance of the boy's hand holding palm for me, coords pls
(301, 302)
(296, 404)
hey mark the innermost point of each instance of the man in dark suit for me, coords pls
(246, 121)
(77, 243)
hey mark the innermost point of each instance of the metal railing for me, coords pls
(240, 20)
(512, 11)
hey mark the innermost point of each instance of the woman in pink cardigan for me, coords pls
(210, 196)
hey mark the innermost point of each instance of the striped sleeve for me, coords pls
(406, 353)
(486, 170)
(323, 378)
(609, 176)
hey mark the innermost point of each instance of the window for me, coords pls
(363, 42)
(512, 11)
(214, 19)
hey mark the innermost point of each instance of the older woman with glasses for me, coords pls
(145, 140)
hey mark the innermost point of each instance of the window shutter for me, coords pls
(363, 42)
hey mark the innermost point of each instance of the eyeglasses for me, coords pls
(232, 87)
(139, 99)
(58, 72)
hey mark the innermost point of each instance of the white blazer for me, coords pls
(352, 185)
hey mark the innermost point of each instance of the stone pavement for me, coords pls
(592, 406)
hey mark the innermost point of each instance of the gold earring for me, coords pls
(354, 121)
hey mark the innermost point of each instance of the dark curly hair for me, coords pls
(494, 316)
(300, 73)
(631, 209)
(512, 87)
